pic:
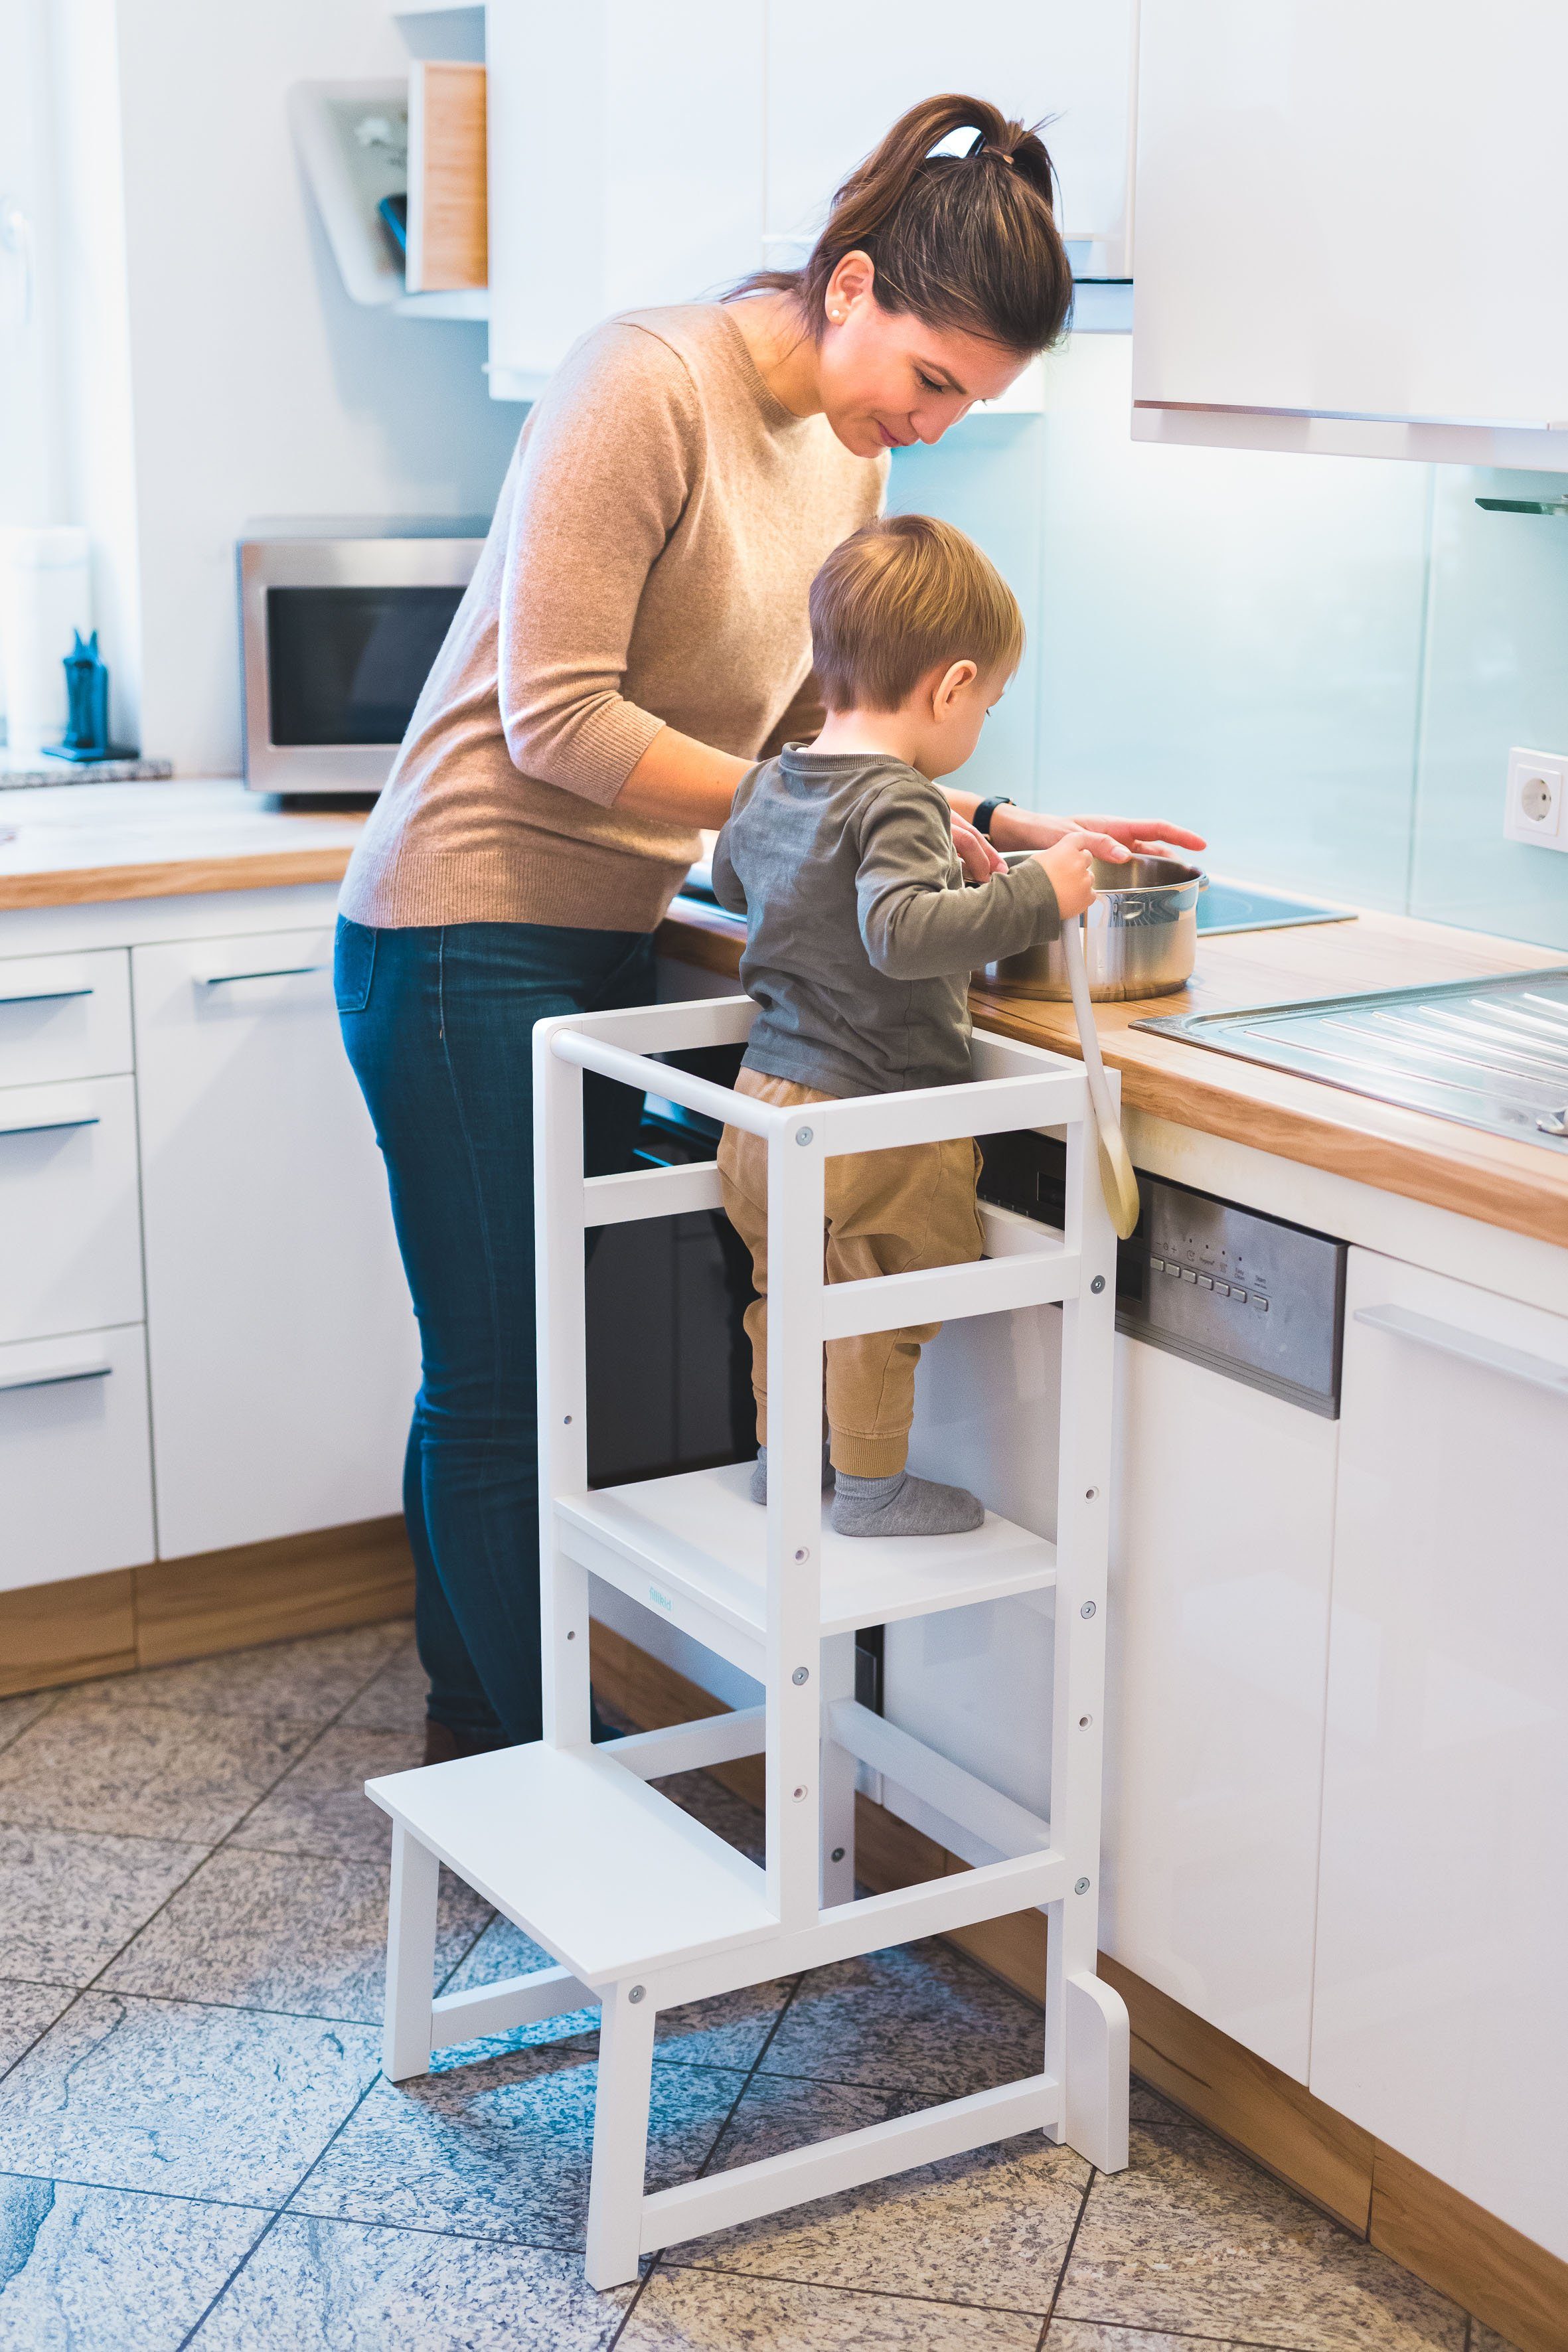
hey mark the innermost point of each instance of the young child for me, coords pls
(860, 939)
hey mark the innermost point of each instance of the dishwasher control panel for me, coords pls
(1251, 1296)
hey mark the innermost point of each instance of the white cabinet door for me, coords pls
(1349, 211)
(64, 1016)
(283, 1351)
(1222, 1536)
(838, 77)
(625, 166)
(1439, 2021)
(1222, 1525)
(75, 1470)
(71, 1257)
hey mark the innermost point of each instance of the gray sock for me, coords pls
(759, 1474)
(904, 1504)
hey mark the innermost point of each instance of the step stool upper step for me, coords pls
(605, 1873)
(700, 1538)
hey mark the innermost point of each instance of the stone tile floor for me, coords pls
(196, 2146)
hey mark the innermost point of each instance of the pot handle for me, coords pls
(1117, 1180)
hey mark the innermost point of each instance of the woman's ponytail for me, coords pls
(968, 241)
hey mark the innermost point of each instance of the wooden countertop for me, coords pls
(75, 844)
(1520, 1186)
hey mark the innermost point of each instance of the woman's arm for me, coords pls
(1112, 837)
(682, 782)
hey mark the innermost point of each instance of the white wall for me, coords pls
(256, 387)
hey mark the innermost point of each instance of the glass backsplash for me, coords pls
(1320, 662)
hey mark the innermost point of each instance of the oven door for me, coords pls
(339, 636)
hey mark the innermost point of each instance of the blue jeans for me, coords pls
(438, 1023)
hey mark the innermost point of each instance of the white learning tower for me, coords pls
(642, 1908)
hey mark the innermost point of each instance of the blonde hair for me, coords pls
(900, 598)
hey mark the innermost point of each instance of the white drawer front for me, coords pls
(64, 1016)
(76, 1466)
(72, 1254)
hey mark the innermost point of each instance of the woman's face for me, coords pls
(886, 380)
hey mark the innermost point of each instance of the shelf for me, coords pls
(603, 1871)
(694, 1549)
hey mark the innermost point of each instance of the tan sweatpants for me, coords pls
(894, 1212)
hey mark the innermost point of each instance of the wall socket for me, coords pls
(1537, 787)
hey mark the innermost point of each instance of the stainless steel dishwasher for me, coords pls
(1228, 1355)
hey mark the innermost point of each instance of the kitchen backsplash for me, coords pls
(1320, 662)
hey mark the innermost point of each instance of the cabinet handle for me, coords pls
(41, 996)
(269, 971)
(97, 1370)
(1450, 1339)
(51, 1126)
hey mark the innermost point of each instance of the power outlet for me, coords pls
(1537, 787)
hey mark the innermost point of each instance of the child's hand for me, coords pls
(977, 856)
(1070, 865)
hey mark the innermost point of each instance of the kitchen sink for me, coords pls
(1491, 1054)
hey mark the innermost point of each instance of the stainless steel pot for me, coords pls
(1140, 935)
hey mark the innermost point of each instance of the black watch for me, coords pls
(982, 815)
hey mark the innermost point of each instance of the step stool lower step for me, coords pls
(604, 1872)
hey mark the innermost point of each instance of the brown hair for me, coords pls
(968, 241)
(900, 598)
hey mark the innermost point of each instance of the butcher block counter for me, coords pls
(1520, 1187)
(84, 844)
(75, 846)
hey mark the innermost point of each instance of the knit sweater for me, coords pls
(648, 566)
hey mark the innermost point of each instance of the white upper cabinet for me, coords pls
(1351, 226)
(625, 166)
(644, 155)
(837, 76)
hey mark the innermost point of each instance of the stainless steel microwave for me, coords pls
(339, 636)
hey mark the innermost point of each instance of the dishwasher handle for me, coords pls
(1452, 1339)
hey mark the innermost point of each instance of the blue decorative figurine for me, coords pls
(87, 694)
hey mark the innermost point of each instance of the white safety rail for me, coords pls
(642, 1908)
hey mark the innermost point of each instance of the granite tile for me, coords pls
(708, 1800)
(337, 2286)
(287, 1932)
(1088, 2336)
(16, 1714)
(707, 2311)
(145, 1771)
(393, 1699)
(727, 2031)
(1150, 2106)
(25, 2011)
(68, 1903)
(919, 2017)
(779, 2112)
(1194, 2241)
(100, 2270)
(305, 1681)
(1486, 2339)
(191, 2100)
(320, 1806)
(989, 2228)
(501, 2149)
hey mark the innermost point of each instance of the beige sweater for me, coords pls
(648, 566)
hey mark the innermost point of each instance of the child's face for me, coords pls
(949, 708)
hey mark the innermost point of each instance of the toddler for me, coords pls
(860, 939)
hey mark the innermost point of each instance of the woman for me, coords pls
(634, 636)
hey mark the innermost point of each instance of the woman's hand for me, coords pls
(1070, 865)
(1114, 838)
